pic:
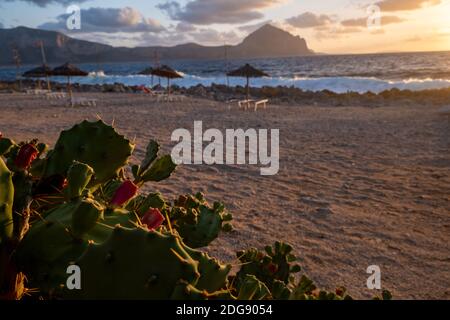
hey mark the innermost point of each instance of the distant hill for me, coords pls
(268, 41)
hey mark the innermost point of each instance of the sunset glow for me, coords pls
(335, 26)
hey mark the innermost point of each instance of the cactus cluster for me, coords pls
(197, 222)
(78, 204)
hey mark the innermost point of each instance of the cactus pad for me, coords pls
(6, 202)
(135, 264)
(213, 274)
(78, 176)
(93, 143)
(198, 223)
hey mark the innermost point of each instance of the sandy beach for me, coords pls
(357, 186)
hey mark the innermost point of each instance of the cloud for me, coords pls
(309, 20)
(161, 39)
(203, 36)
(347, 30)
(213, 37)
(362, 22)
(405, 5)
(335, 31)
(112, 20)
(185, 27)
(249, 28)
(414, 39)
(205, 12)
(113, 39)
(44, 3)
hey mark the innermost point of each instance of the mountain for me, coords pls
(268, 41)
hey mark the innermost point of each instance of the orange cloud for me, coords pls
(405, 5)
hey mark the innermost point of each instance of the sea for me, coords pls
(337, 73)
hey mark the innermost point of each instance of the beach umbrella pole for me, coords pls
(168, 88)
(48, 83)
(248, 88)
(69, 89)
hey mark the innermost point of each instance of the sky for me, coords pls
(329, 26)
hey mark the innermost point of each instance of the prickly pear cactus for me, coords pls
(6, 202)
(45, 253)
(135, 264)
(5, 145)
(160, 170)
(153, 200)
(85, 217)
(385, 295)
(93, 143)
(62, 237)
(273, 264)
(198, 223)
(151, 168)
(186, 291)
(213, 274)
(253, 289)
(22, 200)
(307, 290)
(78, 176)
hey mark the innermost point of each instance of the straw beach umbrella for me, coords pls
(248, 72)
(166, 72)
(69, 70)
(43, 71)
(147, 72)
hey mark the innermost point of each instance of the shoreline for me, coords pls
(279, 95)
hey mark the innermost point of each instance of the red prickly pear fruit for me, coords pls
(124, 193)
(273, 268)
(340, 292)
(153, 219)
(27, 154)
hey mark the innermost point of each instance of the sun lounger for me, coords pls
(246, 104)
(177, 97)
(83, 102)
(55, 95)
(171, 98)
(37, 91)
(261, 103)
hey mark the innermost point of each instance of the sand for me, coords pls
(357, 186)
